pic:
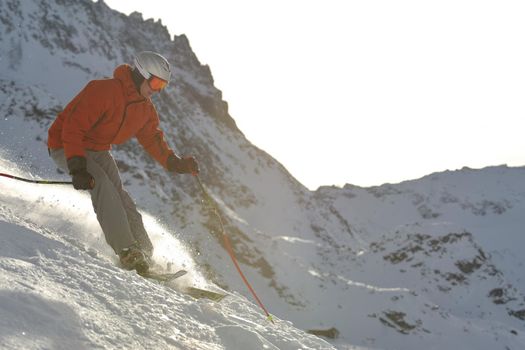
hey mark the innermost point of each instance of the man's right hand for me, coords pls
(82, 179)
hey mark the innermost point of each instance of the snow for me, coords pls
(60, 287)
(431, 263)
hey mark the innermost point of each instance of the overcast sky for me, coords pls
(364, 92)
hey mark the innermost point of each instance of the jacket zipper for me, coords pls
(124, 116)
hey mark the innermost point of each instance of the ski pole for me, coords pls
(229, 248)
(41, 182)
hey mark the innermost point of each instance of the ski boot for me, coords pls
(133, 258)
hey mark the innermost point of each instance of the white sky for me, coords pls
(364, 92)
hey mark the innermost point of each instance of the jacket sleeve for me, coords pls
(81, 114)
(152, 139)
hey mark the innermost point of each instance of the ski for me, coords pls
(163, 277)
(194, 292)
(198, 293)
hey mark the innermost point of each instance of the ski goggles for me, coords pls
(156, 83)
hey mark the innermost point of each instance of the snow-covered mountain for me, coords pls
(432, 263)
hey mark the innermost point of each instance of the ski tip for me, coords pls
(199, 293)
(163, 277)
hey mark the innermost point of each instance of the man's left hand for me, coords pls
(186, 165)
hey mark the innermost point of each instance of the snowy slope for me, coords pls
(60, 287)
(431, 263)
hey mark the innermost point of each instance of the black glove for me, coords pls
(82, 180)
(187, 165)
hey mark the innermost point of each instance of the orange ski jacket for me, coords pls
(106, 112)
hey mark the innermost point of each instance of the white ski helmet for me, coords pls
(151, 63)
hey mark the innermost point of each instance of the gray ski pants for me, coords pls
(116, 211)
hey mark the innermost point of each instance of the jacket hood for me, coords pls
(123, 74)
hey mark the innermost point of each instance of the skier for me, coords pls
(111, 111)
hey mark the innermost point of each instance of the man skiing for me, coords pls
(111, 111)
